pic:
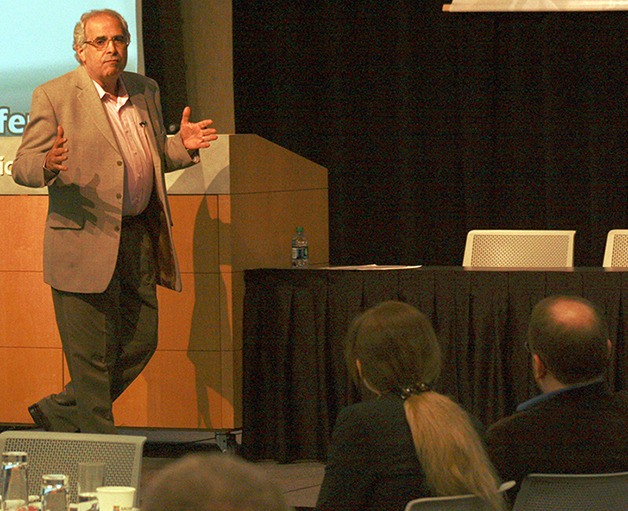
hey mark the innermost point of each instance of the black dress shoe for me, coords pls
(41, 421)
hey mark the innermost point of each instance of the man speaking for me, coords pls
(96, 140)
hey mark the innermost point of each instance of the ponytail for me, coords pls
(450, 449)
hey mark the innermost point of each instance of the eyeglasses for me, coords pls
(100, 43)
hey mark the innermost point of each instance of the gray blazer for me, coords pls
(83, 225)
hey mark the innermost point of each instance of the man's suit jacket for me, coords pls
(84, 219)
(583, 430)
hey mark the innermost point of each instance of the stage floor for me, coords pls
(299, 481)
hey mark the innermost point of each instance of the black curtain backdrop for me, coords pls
(164, 57)
(432, 124)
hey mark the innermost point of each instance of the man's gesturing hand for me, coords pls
(58, 154)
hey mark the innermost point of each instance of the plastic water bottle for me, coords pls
(300, 253)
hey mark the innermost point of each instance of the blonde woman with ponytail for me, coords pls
(409, 442)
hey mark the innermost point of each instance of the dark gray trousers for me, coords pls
(107, 338)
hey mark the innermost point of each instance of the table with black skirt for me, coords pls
(294, 373)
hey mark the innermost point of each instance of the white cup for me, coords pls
(115, 498)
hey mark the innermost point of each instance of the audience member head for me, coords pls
(392, 348)
(212, 482)
(569, 340)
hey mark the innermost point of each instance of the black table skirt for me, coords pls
(294, 376)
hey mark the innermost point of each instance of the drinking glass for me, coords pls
(54, 492)
(14, 481)
(91, 475)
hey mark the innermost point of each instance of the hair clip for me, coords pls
(406, 392)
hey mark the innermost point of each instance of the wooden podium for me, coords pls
(236, 210)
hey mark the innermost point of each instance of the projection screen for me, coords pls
(36, 46)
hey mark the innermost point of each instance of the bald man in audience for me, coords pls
(577, 425)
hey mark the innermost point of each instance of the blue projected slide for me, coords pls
(36, 46)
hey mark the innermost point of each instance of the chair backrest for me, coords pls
(455, 503)
(60, 453)
(566, 492)
(616, 251)
(519, 249)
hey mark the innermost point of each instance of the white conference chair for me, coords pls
(616, 251)
(519, 249)
(567, 492)
(60, 453)
(454, 503)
